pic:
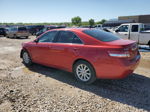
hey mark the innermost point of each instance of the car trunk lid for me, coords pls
(127, 46)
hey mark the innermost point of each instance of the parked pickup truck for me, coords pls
(134, 31)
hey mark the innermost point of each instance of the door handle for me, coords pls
(125, 34)
(75, 49)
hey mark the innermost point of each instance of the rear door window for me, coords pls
(135, 28)
(101, 35)
(76, 40)
(68, 37)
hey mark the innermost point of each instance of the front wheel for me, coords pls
(84, 72)
(26, 58)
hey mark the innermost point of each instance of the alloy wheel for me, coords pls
(83, 72)
(26, 57)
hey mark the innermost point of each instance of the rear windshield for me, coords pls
(101, 35)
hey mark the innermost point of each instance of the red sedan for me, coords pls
(88, 53)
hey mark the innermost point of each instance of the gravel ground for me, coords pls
(44, 89)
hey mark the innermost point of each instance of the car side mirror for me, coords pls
(36, 41)
(117, 31)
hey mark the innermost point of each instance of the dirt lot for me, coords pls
(43, 89)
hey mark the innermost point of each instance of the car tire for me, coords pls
(84, 72)
(26, 58)
(27, 37)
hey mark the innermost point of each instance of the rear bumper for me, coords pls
(116, 68)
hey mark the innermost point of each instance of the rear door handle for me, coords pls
(75, 49)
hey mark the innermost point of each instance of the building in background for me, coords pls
(114, 23)
(137, 18)
(127, 19)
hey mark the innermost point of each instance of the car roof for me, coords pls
(71, 29)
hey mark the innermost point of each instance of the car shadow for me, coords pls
(133, 90)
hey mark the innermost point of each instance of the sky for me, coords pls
(34, 11)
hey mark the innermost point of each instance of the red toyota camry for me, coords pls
(88, 53)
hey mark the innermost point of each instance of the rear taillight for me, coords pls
(119, 54)
(129, 51)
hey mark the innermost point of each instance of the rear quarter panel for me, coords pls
(92, 54)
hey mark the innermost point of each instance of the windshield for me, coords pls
(101, 35)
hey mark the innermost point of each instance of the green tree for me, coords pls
(91, 22)
(20, 23)
(76, 21)
(85, 23)
(102, 21)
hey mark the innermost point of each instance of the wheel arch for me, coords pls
(81, 59)
(22, 50)
(93, 71)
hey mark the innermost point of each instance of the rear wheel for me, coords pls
(26, 58)
(84, 72)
